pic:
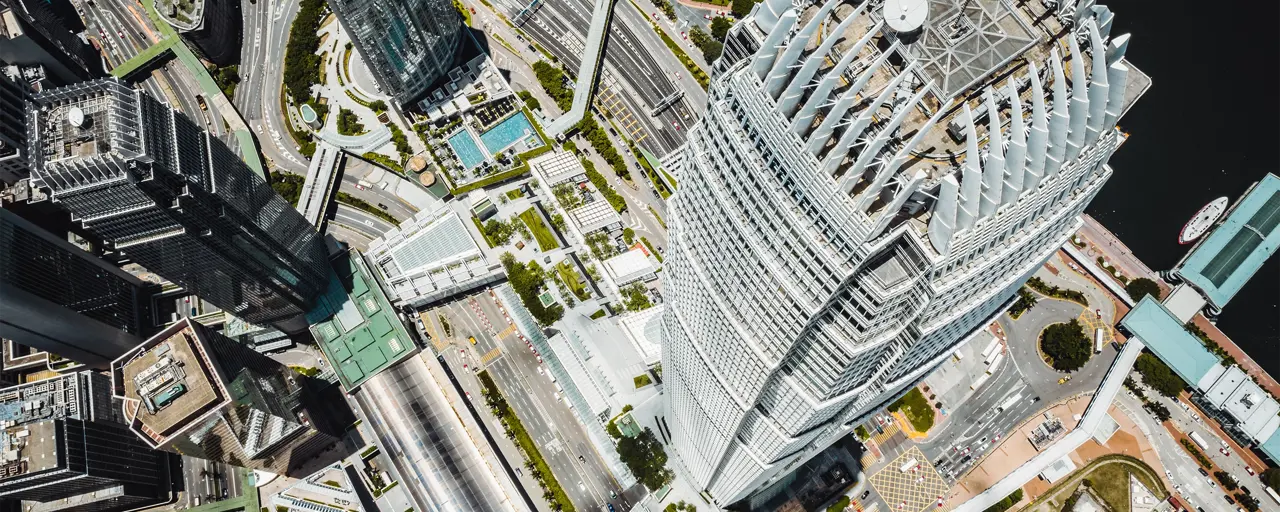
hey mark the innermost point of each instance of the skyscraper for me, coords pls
(61, 299)
(31, 33)
(850, 213)
(13, 128)
(161, 191)
(64, 442)
(192, 391)
(407, 44)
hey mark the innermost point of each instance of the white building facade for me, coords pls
(847, 215)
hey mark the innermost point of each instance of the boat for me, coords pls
(1203, 220)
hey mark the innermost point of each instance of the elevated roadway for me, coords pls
(318, 187)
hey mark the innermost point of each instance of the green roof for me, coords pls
(1161, 332)
(355, 325)
(1225, 260)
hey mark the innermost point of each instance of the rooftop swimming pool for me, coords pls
(464, 145)
(508, 132)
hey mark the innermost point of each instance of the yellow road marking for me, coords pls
(511, 329)
(490, 356)
(919, 488)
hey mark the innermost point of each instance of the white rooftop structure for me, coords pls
(644, 330)
(1244, 400)
(1184, 302)
(429, 257)
(1060, 468)
(596, 215)
(557, 167)
(629, 266)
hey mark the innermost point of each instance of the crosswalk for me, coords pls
(491, 355)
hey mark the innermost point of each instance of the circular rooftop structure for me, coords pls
(905, 15)
(417, 163)
(427, 178)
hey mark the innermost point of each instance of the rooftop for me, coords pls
(429, 255)
(167, 383)
(629, 266)
(28, 449)
(1166, 336)
(184, 15)
(355, 325)
(1226, 259)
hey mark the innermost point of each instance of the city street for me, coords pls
(639, 70)
(1024, 335)
(206, 481)
(534, 397)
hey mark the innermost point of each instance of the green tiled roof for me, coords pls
(1165, 335)
(1225, 260)
(373, 341)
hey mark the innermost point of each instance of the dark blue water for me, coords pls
(1208, 127)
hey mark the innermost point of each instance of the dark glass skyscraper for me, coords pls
(65, 442)
(13, 128)
(31, 33)
(408, 44)
(161, 191)
(58, 298)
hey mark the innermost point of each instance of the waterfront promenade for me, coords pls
(1100, 242)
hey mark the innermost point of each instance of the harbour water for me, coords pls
(1208, 127)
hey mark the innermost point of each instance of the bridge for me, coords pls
(668, 101)
(318, 188)
(588, 71)
(170, 46)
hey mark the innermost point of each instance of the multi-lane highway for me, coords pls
(639, 70)
(122, 30)
(528, 388)
(206, 481)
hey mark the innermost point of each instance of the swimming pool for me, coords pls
(464, 145)
(507, 132)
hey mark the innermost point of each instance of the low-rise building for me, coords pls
(633, 265)
(431, 257)
(596, 215)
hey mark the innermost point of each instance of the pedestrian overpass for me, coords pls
(319, 186)
(588, 70)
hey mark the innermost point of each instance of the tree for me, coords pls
(1158, 410)
(1142, 287)
(378, 105)
(498, 232)
(711, 48)
(529, 100)
(1228, 482)
(720, 27)
(527, 281)
(552, 80)
(742, 7)
(629, 236)
(1248, 502)
(646, 459)
(301, 64)
(1067, 344)
(1006, 503)
(840, 504)
(570, 146)
(1272, 477)
(1158, 375)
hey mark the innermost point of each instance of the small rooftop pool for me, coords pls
(464, 145)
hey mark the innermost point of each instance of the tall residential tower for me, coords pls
(407, 44)
(870, 185)
(60, 299)
(192, 391)
(170, 196)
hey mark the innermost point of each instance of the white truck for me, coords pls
(1195, 436)
(992, 349)
(1099, 338)
(1010, 402)
(909, 465)
(995, 364)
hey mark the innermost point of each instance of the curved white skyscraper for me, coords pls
(871, 183)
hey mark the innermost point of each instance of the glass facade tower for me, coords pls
(407, 44)
(157, 188)
(865, 192)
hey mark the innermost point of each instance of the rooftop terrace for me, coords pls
(167, 383)
(356, 326)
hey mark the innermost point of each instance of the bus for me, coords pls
(981, 380)
(1013, 400)
(995, 364)
(1099, 337)
(909, 465)
(1195, 436)
(992, 348)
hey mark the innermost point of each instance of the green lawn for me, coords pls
(1111, 482)
(916, 408)
(546, 239)
(573, 280)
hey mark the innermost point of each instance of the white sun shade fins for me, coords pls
(1098, 86)
(821, 94)
(1079, 110)
(970, 178)
(900, 198)
(1015, 158)
(945, 210)
(1038, 137)
(903, 153)
(993, 165)
(768, 52)
(872, 150)
(819, 137)
(1059, 122)
(790, 98)
(781, 70)
(860, 123)
(768, 14)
